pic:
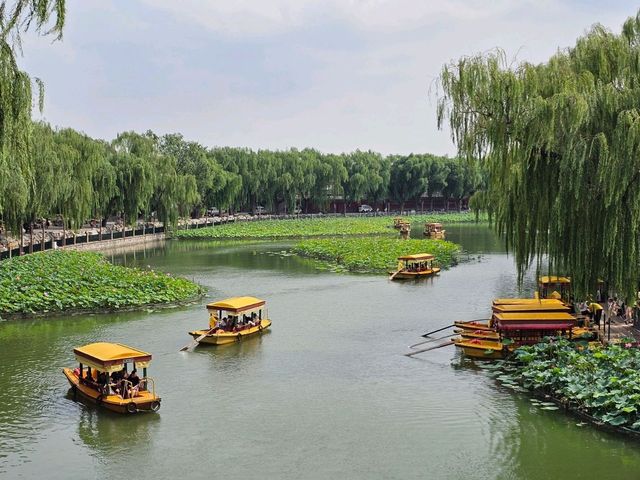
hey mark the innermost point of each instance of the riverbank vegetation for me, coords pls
(560, 142)
(79, 178)
(317, 227)
(65, 281)
(602, 382)
(373, 254)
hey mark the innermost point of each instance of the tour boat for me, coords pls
(554, 287)
(232, 320)
(473, 325)
(526, 301)
(415, 266)
(93, 382)
(482, 334)
(398, 222)
(434, 230)
(531, 308)
(480, 348)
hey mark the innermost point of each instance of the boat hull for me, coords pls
(483, 334)
(144, 401)
(473, 326)
(481, 349)
(415, 275)
(231, 337)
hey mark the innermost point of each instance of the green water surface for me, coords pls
(327, 394)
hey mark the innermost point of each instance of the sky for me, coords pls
(335, 75)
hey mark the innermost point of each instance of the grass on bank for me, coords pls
(69, 280)
(317, 227)
(603, 382)
(373, 254)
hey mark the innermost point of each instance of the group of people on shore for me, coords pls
(613, 308)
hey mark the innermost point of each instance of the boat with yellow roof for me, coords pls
(415, 266)
(232, 320)
(102, 377)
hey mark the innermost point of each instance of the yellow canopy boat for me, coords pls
(473, 325)
(233, 319)
(551, 286)
(102, 377)
(415, 266)
(479, 348)
(526, 301)
(531, 307)
(482, 334)
(434, 230)
(398, 222)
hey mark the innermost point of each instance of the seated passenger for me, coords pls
(134, 383)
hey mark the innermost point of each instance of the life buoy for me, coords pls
(132, 407)
(155, 406)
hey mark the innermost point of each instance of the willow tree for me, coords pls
(408, 178)
(46, 17)
(561, 143)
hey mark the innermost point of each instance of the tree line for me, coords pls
(70, 174)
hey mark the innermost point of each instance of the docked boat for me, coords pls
(107, 376)
(434, 230)
(483, 349)
(527, 301)
(233, 320)
(556, 306)
(473, 325)
(554, 287)
(482, 334)
(415, 266)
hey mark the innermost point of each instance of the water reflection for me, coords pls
(326, 393)
(109, 434)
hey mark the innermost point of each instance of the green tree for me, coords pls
(561, 142)
(408, 178)
(17, 176)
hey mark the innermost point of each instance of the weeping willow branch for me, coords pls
(561, 144)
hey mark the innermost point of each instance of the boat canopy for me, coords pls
(553, 280)
(237, 305)
(546, 326)
(436, 225)
(110, 357)
(527, 301)
(557, 306)
(535, 317)
(418, 257)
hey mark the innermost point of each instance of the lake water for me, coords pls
(326, 394)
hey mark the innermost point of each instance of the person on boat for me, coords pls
(134, 380)
(223, 323)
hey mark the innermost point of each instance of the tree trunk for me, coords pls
(402, 208)
(64, 233)
(31, 236)
(44, 241)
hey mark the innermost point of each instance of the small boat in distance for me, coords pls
(233, 319)
(398, 222)
(434, 230)
(415, 266)
(102, 377)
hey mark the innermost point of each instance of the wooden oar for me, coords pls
(452, 325)
(438, 330)
(446, 344)
(393, 275)
(433, 340)
(196, 341)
